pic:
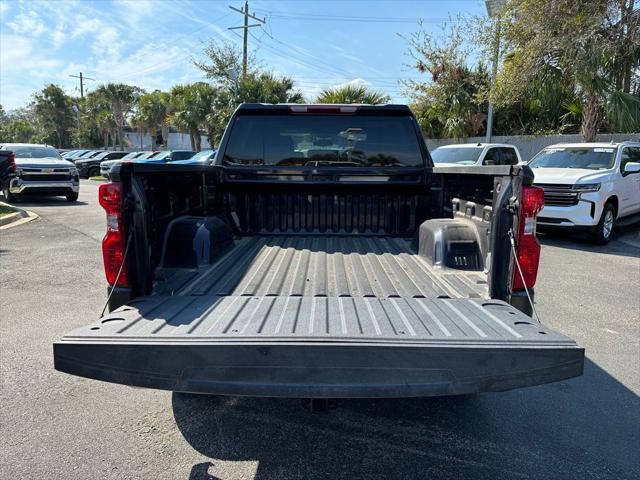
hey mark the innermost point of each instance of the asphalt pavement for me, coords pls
(59, 426)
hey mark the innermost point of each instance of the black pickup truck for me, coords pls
(320, 256)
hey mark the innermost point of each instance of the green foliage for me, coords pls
(222, 67)
(352, 94)
(17, 131)
(153, 114)
(117, 101)
(588, 42)
(52, 110)
(452, 102)
(191, 106)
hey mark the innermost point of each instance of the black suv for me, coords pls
(90, 167)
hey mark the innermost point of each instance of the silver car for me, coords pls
(40, 170)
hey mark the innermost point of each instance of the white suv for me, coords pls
(588, 185)
(476, 154)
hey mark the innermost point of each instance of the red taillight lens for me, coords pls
(12, 161)
(528, 248)
(109, 198)
(113, 242)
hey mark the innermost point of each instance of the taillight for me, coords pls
(12, 162)
(113, 245)
(528, 248)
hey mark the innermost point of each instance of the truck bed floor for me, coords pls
(326, 266)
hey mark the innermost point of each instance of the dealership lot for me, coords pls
(60, 426)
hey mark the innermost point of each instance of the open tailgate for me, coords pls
(319, 347)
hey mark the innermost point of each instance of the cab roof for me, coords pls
(593, 144)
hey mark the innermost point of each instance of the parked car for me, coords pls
(204, 157)
(168, 156)
(41, 170)
(588, 186)
(90, 167)
(352, 277)
(105, 166)
(476, 154)
(68, 152)
(89, 154)
(74, 154)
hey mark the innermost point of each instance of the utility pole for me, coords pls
(245, 11)
(82, 82)
(493, 10)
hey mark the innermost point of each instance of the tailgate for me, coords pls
(319, 347)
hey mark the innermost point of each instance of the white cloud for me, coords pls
(135, 42)
(28, 23)
(356, 82)
(136, 11)
(20, 56)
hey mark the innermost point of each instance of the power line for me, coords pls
(350, 18)
(245, 28)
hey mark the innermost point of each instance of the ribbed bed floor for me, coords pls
(328, 266)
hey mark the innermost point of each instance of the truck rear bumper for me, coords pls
(445, 347)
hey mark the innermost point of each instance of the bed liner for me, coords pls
(320, 317)
(325, 265)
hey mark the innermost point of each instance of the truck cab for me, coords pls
(589, 186)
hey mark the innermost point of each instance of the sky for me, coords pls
(151, 43)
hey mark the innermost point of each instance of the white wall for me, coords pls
(177, 141)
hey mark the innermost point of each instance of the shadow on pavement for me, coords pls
(580, 241)
(200, 471)
(584, 427)
(45, 201)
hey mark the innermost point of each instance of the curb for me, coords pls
(99, 180)
(17, 218)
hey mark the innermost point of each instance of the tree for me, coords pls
(223, 64)
(352, 94)
(17, 131)
(222, 68)
(53, 113)
(452, 101)
(191, 106)
(97, 124)
(153, 114)
(121, 99)
(585, 42)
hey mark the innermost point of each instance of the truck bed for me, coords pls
(320, 317)
(325, 266)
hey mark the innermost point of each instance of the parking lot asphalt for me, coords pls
(58, 426)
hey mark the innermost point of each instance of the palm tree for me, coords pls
(191, 105)
(153, 114)
(122, 99)
(352, 94)
(97, 111)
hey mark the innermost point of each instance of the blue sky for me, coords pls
(150, 43)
